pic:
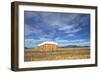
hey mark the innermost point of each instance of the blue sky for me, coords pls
(63, 28)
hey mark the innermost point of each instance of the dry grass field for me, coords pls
(47, 52)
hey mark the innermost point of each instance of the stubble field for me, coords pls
(57, 54)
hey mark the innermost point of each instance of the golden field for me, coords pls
(52, 52)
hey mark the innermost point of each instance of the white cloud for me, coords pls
(71, 35)
(66, 27)
(72, 41)
(79, 40)
(73, 30)
(44, 39)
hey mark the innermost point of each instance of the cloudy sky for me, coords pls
(63, 28)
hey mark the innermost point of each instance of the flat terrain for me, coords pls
(60, 54)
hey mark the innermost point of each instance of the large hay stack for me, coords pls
(47, 47)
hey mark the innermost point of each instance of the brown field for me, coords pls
(50, 53)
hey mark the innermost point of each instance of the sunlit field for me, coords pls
(50, 53)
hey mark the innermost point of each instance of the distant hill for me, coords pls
(74, 46)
